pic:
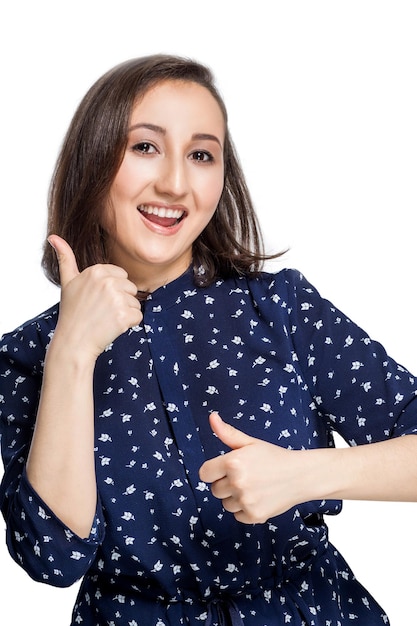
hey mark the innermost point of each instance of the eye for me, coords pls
(144, 147)
(202, 156)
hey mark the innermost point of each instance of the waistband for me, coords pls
(223, 612)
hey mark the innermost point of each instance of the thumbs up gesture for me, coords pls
(256, 480)
(97, 305)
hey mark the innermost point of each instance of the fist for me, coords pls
(97, 305)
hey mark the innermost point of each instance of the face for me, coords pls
(169, 183)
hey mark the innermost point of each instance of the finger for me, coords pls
(231, 505)
(221, 489)
(230, 435)
(244, 518)
(213, 470)
(137, 315)
(68, 268)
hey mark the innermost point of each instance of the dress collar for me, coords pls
(166, 296)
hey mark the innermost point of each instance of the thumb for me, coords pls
(68, 268)
(230, 435)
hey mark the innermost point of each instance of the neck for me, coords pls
(156, 277)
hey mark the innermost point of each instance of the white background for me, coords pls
(322, 97)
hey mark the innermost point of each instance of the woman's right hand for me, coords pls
(97, 304)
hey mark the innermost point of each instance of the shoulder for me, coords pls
(28, 341)
(287, 297)
(44, 322)
(286, 286)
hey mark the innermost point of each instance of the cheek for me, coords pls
(216, 194)
(123, 184)
(108, 217)
(211, 192)
(133, 175)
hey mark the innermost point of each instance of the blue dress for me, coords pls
(277, 361)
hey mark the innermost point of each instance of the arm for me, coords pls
(356, 389)
(96, 306)
(258, 480)
(60, 464)
(37, 540)
(386, 470)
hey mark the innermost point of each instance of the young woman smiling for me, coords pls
(118, 467)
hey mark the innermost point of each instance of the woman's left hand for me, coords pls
(256, 480)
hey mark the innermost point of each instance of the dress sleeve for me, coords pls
(364, 394)
(46, 549)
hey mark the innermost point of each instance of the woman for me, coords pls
(118, 467)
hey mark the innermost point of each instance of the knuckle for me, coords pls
(96, 271)
(126, 317)
(233, 464)
(247, 504)
(253, 515)
(215, 490)
(122, 317)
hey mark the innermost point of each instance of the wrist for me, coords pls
(327, 473)
(61, 355)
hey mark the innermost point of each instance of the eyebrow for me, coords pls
(162, 131)
(208, 137)
(154, 127)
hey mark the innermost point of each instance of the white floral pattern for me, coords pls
(277, 361)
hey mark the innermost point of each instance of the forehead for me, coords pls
(176, 100)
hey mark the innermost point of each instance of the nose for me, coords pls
(172, 177)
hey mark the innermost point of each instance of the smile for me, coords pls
(164, 216)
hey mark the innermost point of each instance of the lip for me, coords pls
(168, 210)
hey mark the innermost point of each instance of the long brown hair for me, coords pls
(91, 155)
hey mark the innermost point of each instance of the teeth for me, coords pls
(161, 211)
